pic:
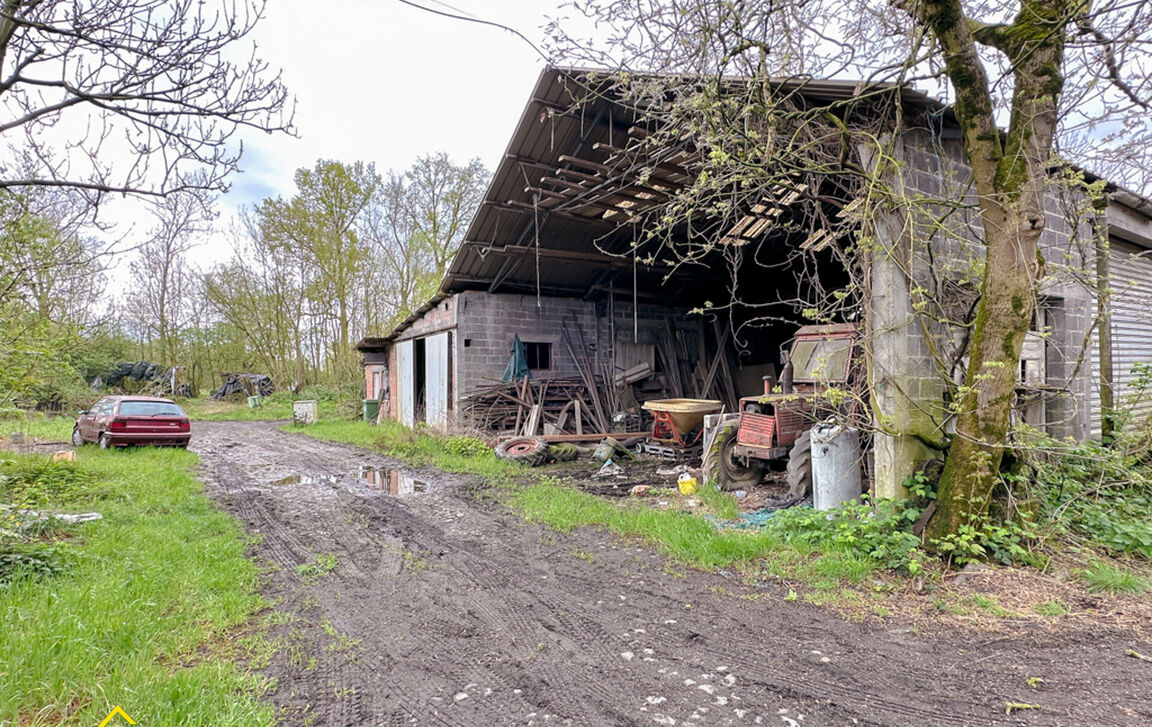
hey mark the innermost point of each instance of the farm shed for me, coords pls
(556, 255)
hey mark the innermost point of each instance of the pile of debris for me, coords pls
(141, 377)
(244, 385)
(555, 406)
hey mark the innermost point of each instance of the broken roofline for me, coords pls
(552, 93)
(545, 164)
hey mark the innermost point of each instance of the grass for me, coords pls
(275, 406)
(324, 564)
(1104, 576)
(153, 609)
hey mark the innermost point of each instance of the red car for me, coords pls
(117, 421)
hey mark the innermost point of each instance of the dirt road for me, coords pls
(444, 609)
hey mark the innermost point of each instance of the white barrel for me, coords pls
(835, 465)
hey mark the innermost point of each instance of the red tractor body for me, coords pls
(773, 424)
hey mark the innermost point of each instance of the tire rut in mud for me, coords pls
(446, 610)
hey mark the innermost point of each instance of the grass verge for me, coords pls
(148, 608)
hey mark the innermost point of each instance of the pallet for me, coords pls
(671, 451)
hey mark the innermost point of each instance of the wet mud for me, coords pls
(436, 606)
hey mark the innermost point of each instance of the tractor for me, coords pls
(775, 426)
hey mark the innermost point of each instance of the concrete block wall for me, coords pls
(925, 245)
(486, 323)
(439, 318)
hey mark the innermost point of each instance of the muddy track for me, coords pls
(445, 609)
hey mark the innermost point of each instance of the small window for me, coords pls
(539, 356)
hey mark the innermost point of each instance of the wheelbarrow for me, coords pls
(677, 421)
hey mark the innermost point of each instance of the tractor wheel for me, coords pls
(720, 467)
(800, 467)
(529, 450)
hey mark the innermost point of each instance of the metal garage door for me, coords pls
(406, 383)
(1131, 268)
(436, 354)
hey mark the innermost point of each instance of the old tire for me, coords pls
(800, 467)
(563, 452)
(77, 440)
(105, 442)
(720, 467)
(528, 450)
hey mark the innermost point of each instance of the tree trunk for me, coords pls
(1009, 172)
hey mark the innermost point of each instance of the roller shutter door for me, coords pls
(1131, 268)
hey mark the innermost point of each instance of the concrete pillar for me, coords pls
(907, 394)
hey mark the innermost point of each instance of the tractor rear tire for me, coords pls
(528, 450)
(722, 469)
(800, 467)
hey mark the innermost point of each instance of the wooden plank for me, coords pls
(593, 436)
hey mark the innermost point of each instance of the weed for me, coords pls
(1034, 682)
(1104, 576)
(1052, 607)
(412, 562)
(989, 604)
(584, 555)
(324, 564)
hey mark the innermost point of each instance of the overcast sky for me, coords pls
(378, 81)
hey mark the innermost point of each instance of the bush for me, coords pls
(1102, 494)
(882, 533)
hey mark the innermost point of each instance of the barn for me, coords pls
(557, 257)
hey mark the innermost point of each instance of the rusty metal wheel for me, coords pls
(529, 450)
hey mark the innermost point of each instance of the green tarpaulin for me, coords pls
(518, 362)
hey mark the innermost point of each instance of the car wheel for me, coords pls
(77, 440)
(105, 443)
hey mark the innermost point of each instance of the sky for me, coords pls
(375, 81)
(378, 81)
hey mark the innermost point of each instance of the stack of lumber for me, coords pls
(529, 407)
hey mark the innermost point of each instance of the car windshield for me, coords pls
(149, 409)
(821, 360)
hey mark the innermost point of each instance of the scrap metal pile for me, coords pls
(244, 385)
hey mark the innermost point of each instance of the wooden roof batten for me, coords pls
(572, 164)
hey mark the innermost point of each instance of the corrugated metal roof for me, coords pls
(575, 247)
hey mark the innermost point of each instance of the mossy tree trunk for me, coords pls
(1008, 173)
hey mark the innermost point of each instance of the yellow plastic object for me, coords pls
(686, 414)
(687, 483)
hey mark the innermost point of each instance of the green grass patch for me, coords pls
(1111, 578)
(276, 406)
(152, 609)
(39, 427)
(1052, 607)
(324, 564)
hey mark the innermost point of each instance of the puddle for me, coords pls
(305, 480)
(392, 481)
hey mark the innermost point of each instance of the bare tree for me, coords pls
(130, 95)
(162, 298)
